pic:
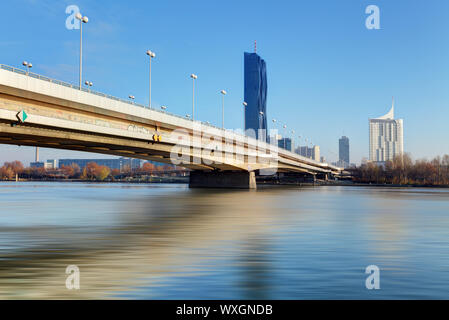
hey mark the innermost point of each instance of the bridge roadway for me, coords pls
(39, 111)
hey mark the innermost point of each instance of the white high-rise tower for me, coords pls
(386, 137)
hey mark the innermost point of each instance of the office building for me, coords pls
(386, 138)
(312, 153)
(37, 164)
(343, 151)
(255, 94)
(285, 143)
(51, 164)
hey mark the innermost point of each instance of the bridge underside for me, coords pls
(211, 176)
(25, 135)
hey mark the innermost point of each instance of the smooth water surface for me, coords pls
(169, 242)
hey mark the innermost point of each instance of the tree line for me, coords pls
(402, 170)
(92, 171)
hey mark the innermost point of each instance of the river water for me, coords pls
(165, 241)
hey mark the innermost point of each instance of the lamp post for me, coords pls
(244, 115)
(164, 108)
(275, 137)
(132, 98)
(223, 92)
(28, 65)
(307, 148)
(193, 76)
(188, 116)
(285, 130)
(82, 20)
(293, 141)
(152, 55)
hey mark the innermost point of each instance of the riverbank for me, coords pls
(176, 180)
(185, 180)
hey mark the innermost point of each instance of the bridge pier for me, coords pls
(223, 179)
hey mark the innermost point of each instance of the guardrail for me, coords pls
(77, 87)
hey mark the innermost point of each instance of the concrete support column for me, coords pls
(222, 179)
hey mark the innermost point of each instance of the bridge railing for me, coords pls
(77, 87)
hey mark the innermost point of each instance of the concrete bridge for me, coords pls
(39, 111)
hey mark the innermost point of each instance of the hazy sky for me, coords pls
(327, 73)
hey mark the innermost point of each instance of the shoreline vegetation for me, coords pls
(149, 173)
(400, 172)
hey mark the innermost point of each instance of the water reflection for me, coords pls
(166, 241)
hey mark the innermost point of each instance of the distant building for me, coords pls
(322, 159)
(343, 151)
(51, 164)
(386, 138)
(255, 94)
(304, 151)
(312, 153)
(119, 164)
(37, 164)
(285, 143)
(316, 153)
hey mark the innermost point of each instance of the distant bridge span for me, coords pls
(38, 111)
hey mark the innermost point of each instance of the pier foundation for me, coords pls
(222, 179)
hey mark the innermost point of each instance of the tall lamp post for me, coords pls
(275, 137)
(193, 76)
(244, 115)
(152, 55)
(261, 125)
(223, 92)
(285, 135)
(307, 148)
(293, 141)
(82, 20)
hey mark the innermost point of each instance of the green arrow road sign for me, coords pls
(22, 116)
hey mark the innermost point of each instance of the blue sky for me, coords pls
(327, 73)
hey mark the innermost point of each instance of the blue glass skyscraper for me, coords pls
(255, 94)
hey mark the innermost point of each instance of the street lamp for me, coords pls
(28, 65)
(88, 84)
(164, 107)
(307, 147)
(223, 92)
(293, 140)
(193, 76)
(244, 115)
(132, 98)
(188, 116)
(285, 130)
(152, 55)
(82, 20)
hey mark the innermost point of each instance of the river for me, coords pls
(166, 241)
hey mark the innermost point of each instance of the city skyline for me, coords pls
(363, 69)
